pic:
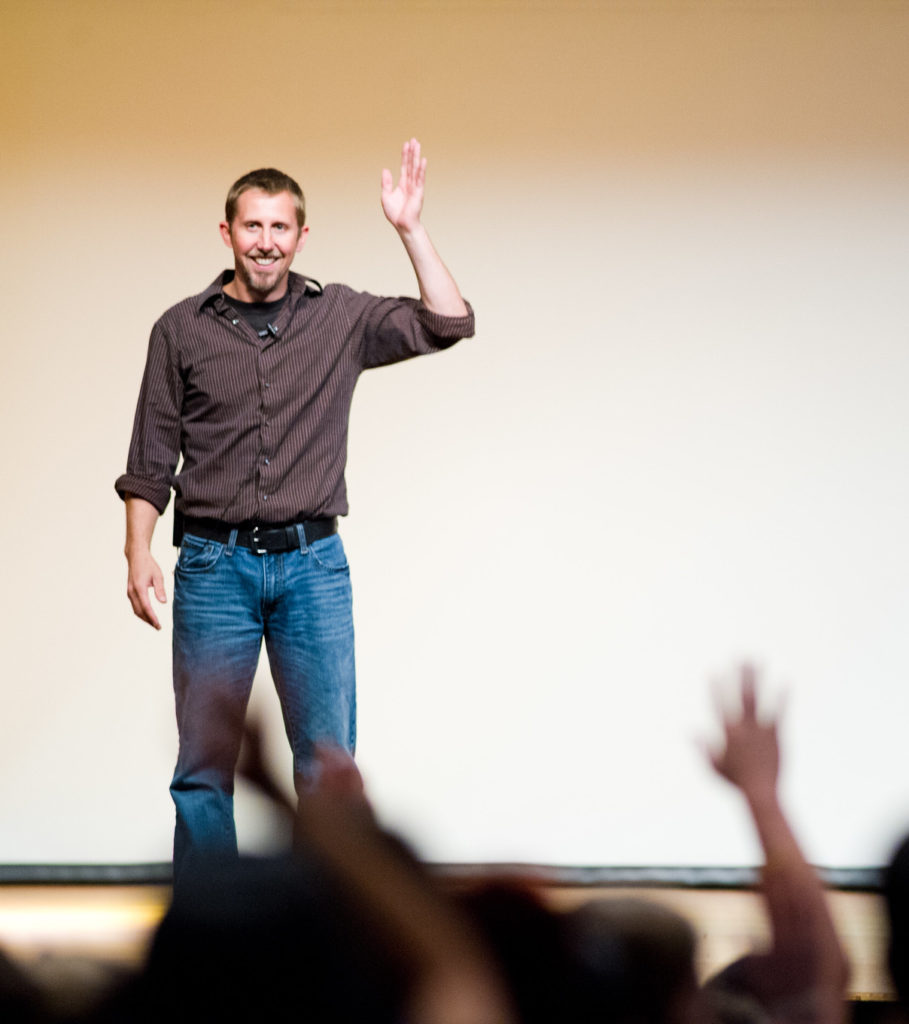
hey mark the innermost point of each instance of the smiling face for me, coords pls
(265, 236)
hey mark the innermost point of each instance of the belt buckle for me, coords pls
(256, 541)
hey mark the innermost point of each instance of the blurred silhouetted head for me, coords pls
(896, 897)
(634, 961)
(268, 940)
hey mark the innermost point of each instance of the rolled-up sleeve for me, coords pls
(446, 330)
(397, 329)
(154, 449)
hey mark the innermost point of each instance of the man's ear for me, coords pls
(225, 233)
(301, 241)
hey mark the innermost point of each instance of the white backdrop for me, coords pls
(678, 439)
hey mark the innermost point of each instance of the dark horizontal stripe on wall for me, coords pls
(858, 879)
(660, 876)
(86, 874)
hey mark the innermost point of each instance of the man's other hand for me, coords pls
(145, 575)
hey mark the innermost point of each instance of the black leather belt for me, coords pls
(262, 538)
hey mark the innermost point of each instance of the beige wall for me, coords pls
(679, 437)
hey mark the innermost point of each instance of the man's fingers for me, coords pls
(405, 157)
(143, 610)
(414, 159)
(749, 693)
(148, 613)
(412, 167)
(160, 592)
(139, 598)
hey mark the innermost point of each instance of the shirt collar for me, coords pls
(297, 285)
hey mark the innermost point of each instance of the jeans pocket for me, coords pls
(198, 555)
(329, 553)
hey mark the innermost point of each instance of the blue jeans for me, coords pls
(226, 600)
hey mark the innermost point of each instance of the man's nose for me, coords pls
(265, 240)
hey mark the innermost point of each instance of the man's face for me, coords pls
(265, 237)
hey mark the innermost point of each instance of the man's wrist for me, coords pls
(761, 797)
(414, 235)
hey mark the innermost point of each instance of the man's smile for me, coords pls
(265, 234)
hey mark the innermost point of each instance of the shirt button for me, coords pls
(235, 322)
(268, 462)
(265, 497)
(268, 385)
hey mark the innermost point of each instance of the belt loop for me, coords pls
(301, 533)
(231, 542)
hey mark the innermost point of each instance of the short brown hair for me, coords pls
(269, 180)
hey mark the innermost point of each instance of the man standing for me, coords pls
(250, 382)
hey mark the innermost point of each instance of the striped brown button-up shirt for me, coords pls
(261, 424)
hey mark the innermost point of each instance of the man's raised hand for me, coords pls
(403, 203)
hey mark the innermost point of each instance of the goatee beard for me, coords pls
(261, 281)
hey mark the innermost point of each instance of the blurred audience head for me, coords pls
(266, 939)
(635, 961)
(896, 898)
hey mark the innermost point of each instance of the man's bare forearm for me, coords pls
(144, 573)
(141, 519)
(438, 290)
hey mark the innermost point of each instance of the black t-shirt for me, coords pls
(259, 315)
